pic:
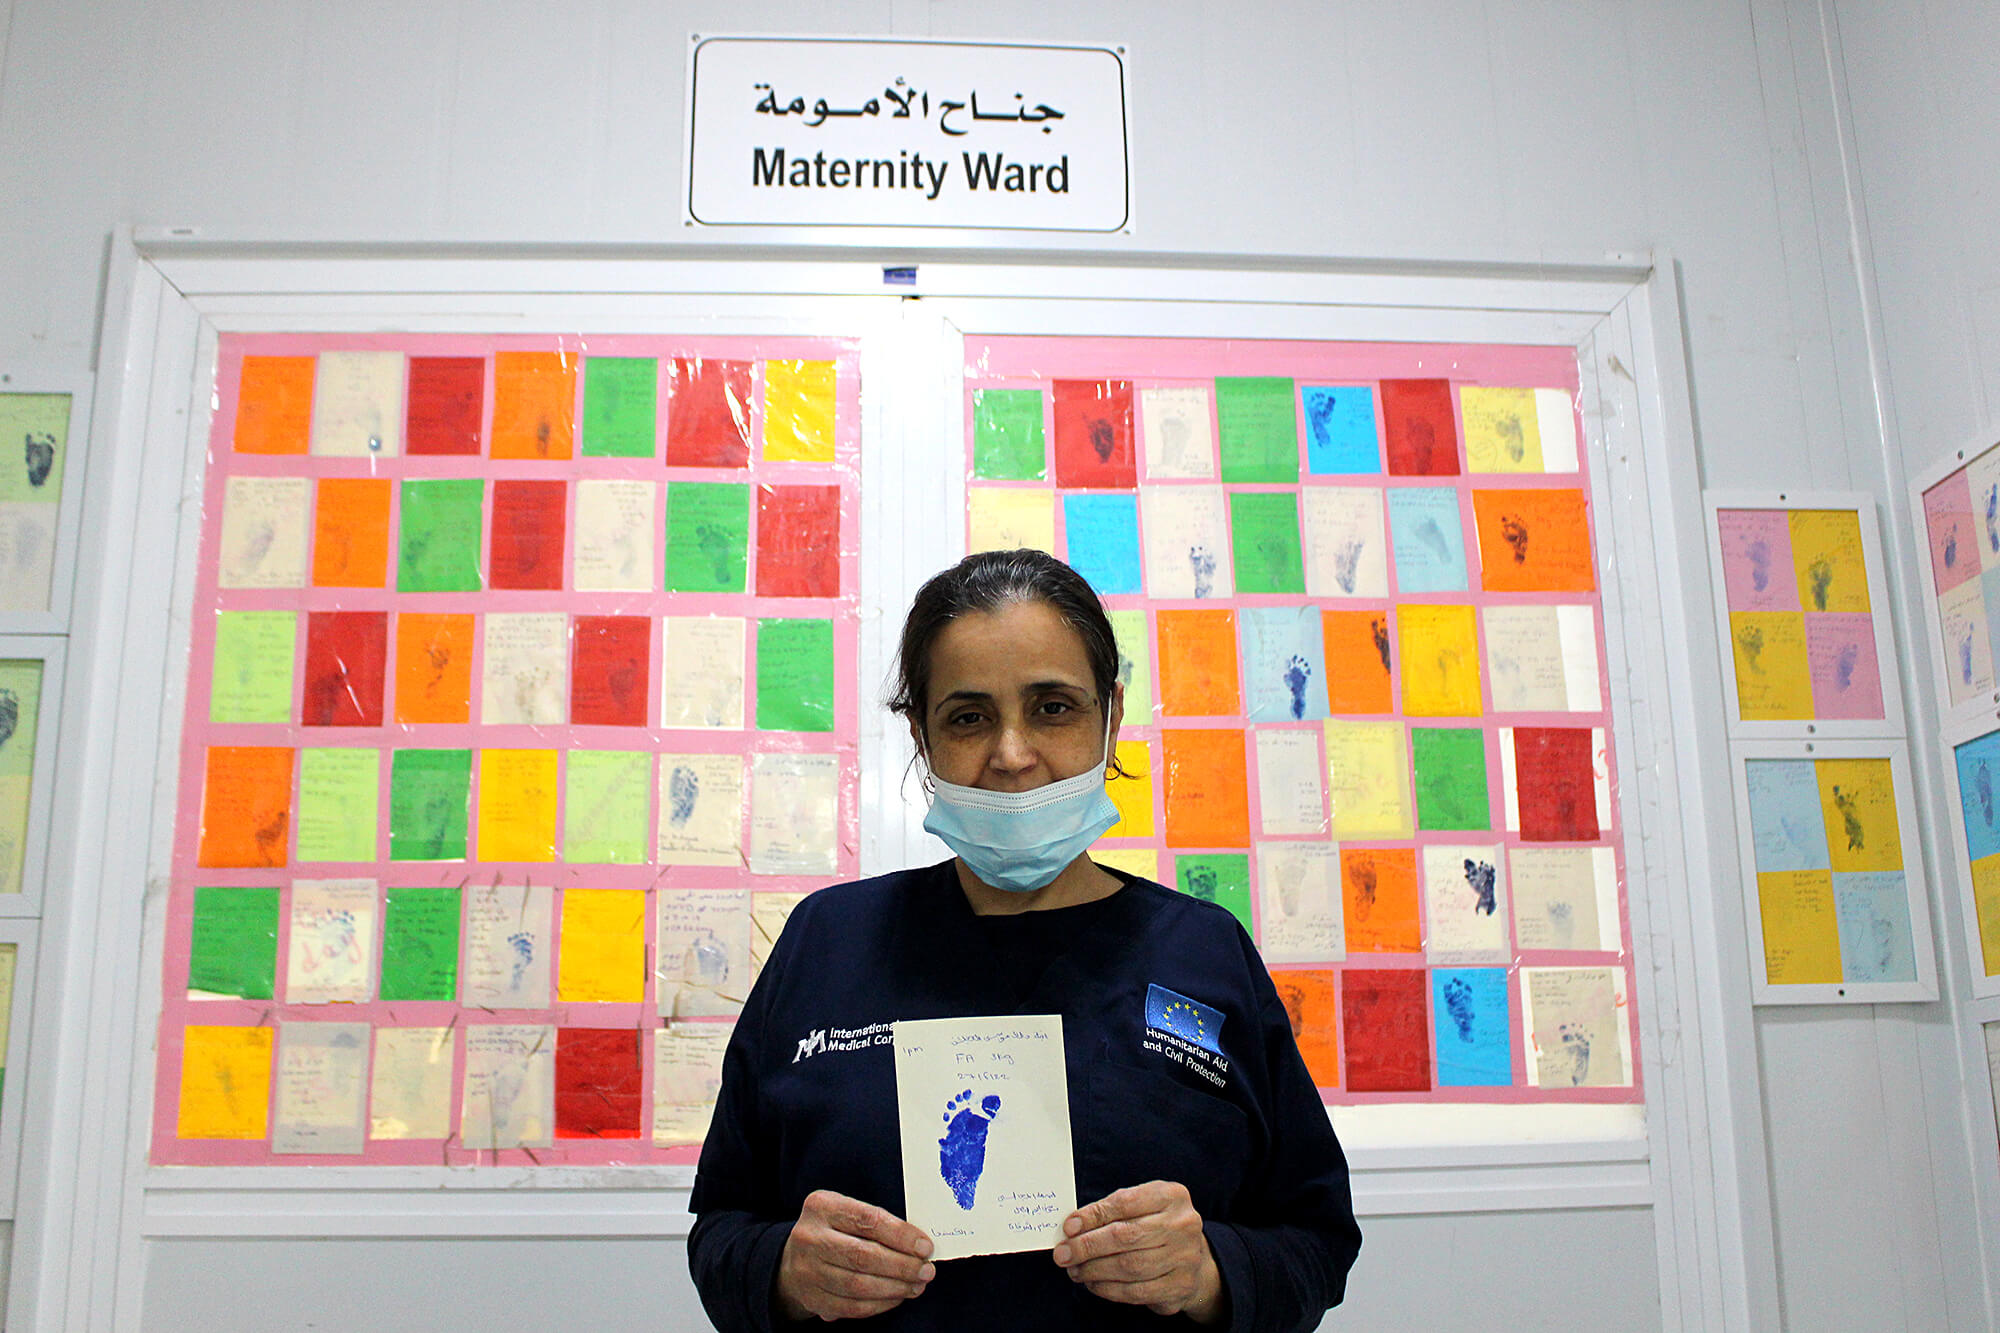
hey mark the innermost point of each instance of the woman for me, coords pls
(1218, 1194)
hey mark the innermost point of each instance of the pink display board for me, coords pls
(520, 708)
(1356, 595)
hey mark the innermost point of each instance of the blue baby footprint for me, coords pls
(1575, 1044)
(683, 790)
(1458, 1003)
(962, 1150)
(1298, 672)
(524, 953)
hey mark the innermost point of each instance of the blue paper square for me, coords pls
(1283, 663)
(1340, 430)
(1469, 1011)
(1873, 910)
(1979, 793)
(1427, 537)
(1787, 826)
(1101, 534)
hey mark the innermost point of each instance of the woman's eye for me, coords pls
(964, 720)
(1056, 707)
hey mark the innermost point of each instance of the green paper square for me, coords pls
(34, 447)
(338, 791)
(708, 536)
(437, 546)
(795, 675)
(1257, 420)
(234, 950)
(1135, 665)
(252, 676)
(606, 804)
(1008, 443)
(430, 795)
(1450, 765)
(420, 944)
(620, 402)
(20, 683)
(1218, 877)
(1264, 538)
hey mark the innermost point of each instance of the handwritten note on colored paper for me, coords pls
(1846, 675)
(338, 800)
(1008, 441)
(1557, 897)
(517, 805)
(1291, 782)
(322, 1088)
(794, 812)
(983, 1106)
(438, 535)
(1258, 424)
(225, 1082)
(1300, 902)
(346, 662)
(599, 1084)
(1378, 887)
(1534, 541)
(252, 675)
(1417, 425)
(358, 405)
(508, 940)
(1773, 672)
(1384, 1028)
(420, 944)
(1439, 651)
(246, 806)
(1198, 663)
(264, 530)
(1357, 661)
(603, 955)
(410, 1093)
(798, 541)
(1340, 430)
(524, 678)
(701, 678)
(447, 405)
(610, 670)
(433, 667)
(687, 1076)
(709, 410)
(703, 943)
(351, 532)
(1466, 906)
(274, 404)
(234, 944)
(1308, 996)
(1857, 799)
(1757, 569)
(1801, 931)
(1177, 425)
(1473, 1028)
(1264, 532)
(1010, 520)
(607, 799)
(534, 405)
(615, 521)
(1575, 1019)
(620, 399)
(795, 674)
(1524, 659)
(1206, 788)
(1829, 565)
(508, 1098)
(799, 411)
(1502, 429)
(1101, 539)
(1093, 443)
(701, 810)
(1135, 665)
(331, 957)
(1968, 648)
(1873, 912)
(525, 546)
(1368, 780)
(1346, 551)
(1186, 531)
(430, 798)
(1428, 538)
(708, 536)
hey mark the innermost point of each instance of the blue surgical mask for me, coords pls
(1021, 840)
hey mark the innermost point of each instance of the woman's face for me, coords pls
(1012, 703)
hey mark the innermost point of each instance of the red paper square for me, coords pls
(1557, 784)
(1094, 434)
(610, 676)
(447, 404)
(1417, 423)
(708, 412)
(598, 1083)
(798, 541)
(1385, 1029)
(347, 656)
(526, 550)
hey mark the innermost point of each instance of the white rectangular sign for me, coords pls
(822, 132)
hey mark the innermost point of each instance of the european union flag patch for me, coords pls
(1190, 1020)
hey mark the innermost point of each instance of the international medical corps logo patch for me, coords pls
(1187, 1032)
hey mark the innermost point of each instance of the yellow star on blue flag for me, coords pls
(1190, 1020)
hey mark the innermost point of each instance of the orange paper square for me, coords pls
(1378, 891)
(433, 668)
(351, 533)
(274, 403)
(1208, 803)
(534, 405)
(246, 806)
(1357, 661)
(1533, 541)
(1197, 654)
(1308, 997)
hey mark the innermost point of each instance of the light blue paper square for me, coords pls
(1283, 662)
(1340, 430)
(1101, 533)
(1469, 1011)
(1427, 538)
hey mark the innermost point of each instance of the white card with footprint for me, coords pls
(983, 1105)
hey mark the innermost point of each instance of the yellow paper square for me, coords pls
(798, 411)
(1986, 903)
(1502, 429)
(1828, 557)
(1141, 861)
(1132, 795)
(517, 805)
(601, 955)
(1801, 929)
(1440, 660)
(1857, 798)
(1368, 780)
(1004, 519)
(225, 1083)
(1773, 681)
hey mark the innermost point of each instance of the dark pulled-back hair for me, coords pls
(987, 582)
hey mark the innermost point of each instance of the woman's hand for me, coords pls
(846, 1259)
(1144, 1246)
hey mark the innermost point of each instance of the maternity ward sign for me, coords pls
(823, 132)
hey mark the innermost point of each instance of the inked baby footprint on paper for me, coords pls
(1562, 924)
(1993, 518)
(1201, 883)
(1982, 787)
(524, 953)
(1951, 547)
(1515, 533)
(10, 715)
(962, 1150)
(1298, 674)
(1347, 564)
(1760, 565)
(1421, 440)
(1364, 890)
(39, 454)
(1102, 439)
(1512, 441)
(1319, 419)
(1202, 561)
(1480, 876)
(1458, 1003)
(1752, 639)
(1843, 665)
(714, 543)
(683, 788)
(1576, 1046)
(1433, 538)
(1965, 659)
(1850, 820)
(1379, 628)
(1819, 576)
